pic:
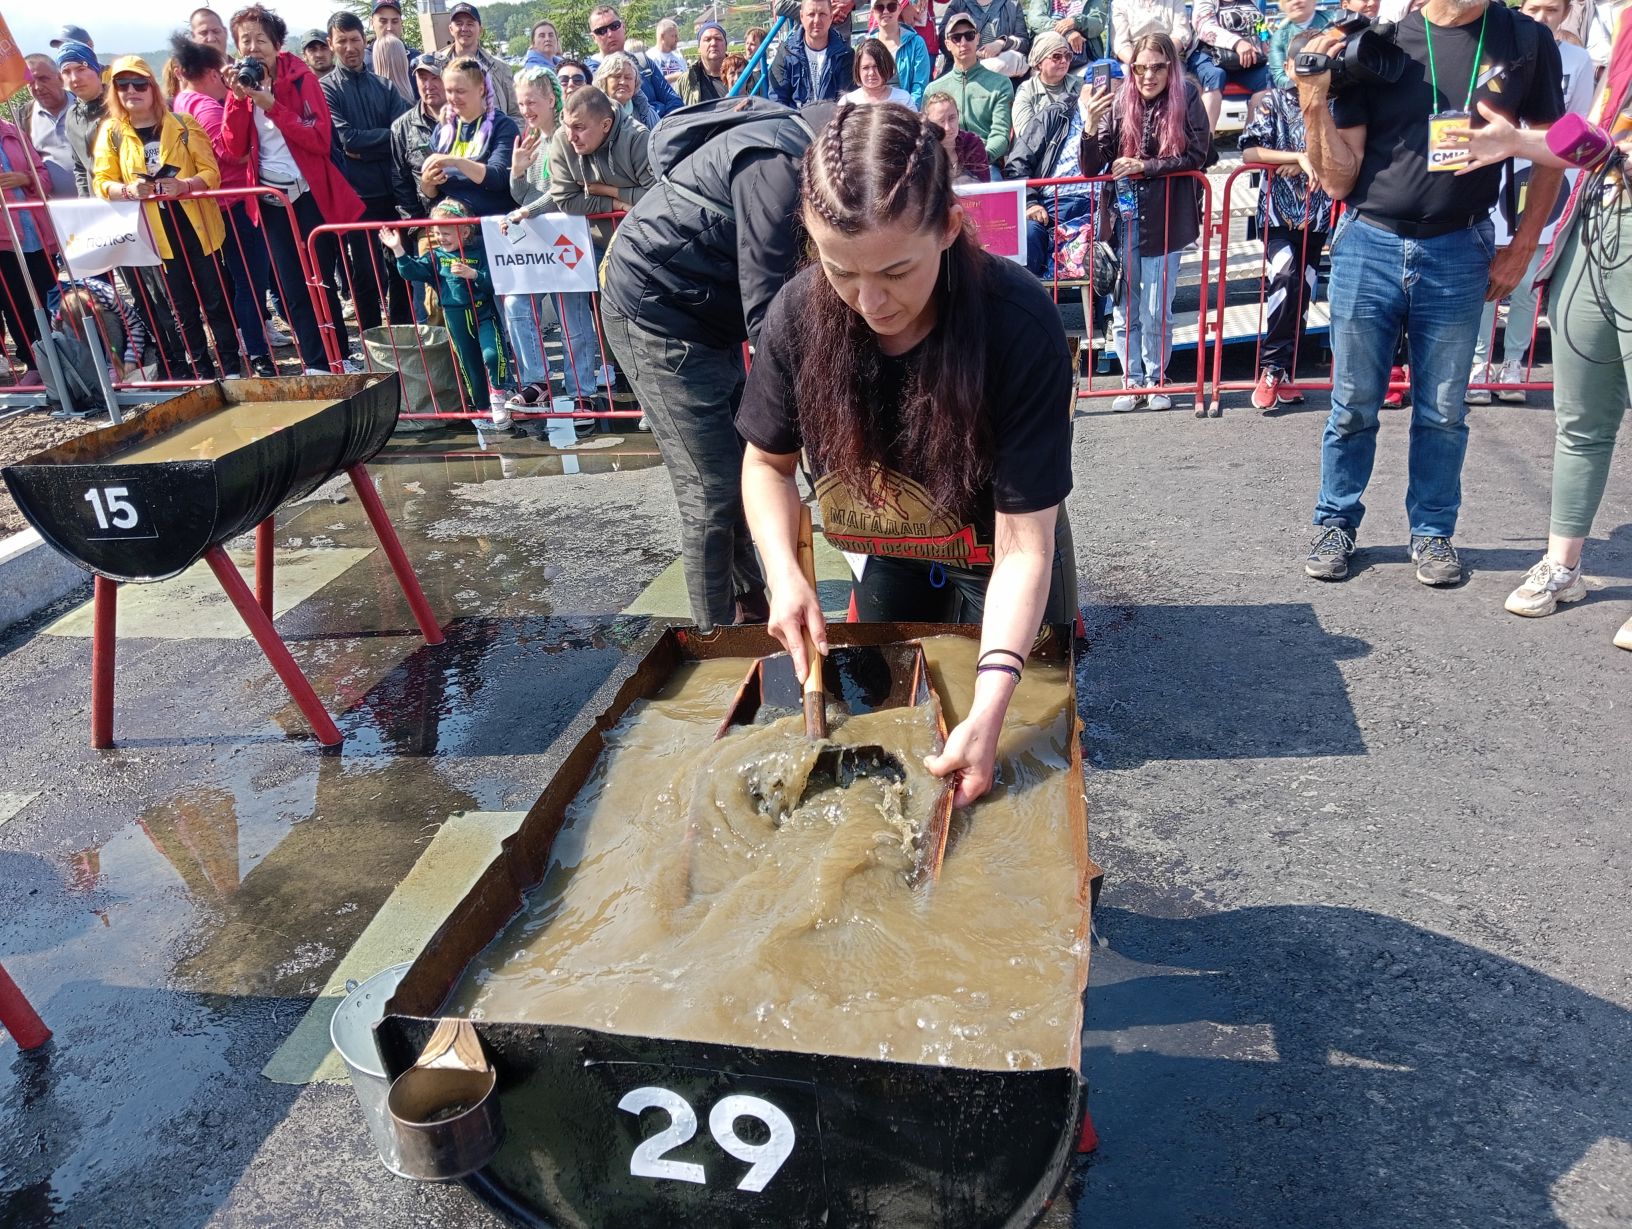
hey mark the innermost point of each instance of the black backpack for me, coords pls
(745, 124)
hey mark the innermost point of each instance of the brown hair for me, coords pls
(877, 165)
(882, 60)
(271, 24)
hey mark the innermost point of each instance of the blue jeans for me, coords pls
(1142, 320)
(1435, 290)
(582, 345)
(525, 316)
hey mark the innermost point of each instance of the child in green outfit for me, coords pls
(456, 267)
(1296, 17)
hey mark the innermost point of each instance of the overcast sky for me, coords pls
(120, 26)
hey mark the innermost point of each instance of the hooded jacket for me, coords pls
(707, 276)
(622, 161)
(362, 106)
(84, 118)
(121, 159)
(796, 89)
(302, 117)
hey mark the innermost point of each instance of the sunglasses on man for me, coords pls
(962, 36)
(609, 28)
(885, 6)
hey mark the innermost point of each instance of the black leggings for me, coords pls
(914, 591)
(284, 244)
(15, 304)
(198, 281)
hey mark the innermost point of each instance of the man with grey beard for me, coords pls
(1415, 250)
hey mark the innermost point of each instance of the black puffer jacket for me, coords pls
(362, 106)
(1036, 151)
(706, 275)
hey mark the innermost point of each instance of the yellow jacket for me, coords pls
(121, 159)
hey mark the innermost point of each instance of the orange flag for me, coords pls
(13, 72)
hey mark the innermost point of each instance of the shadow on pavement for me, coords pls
(1215, 682)
(1306, 1065)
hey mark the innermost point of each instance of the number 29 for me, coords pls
(650, 1158)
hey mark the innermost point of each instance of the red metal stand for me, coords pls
(260, 626)
(392, 545)
(17, 1017)
(263, 566)
(1088, 1141)
(104, 636)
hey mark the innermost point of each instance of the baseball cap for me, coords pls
(313, 36)
(71, 34)
(386, 4)
(429, 62)
(464, 6)
(959, 19)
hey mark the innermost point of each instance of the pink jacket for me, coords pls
(18, 154)
(212, 117)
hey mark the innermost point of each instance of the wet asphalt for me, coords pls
(1362, 947)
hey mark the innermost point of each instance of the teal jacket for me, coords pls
(434, 267)
(1282, 35)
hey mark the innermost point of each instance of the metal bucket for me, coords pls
(352, 1032)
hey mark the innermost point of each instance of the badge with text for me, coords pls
(1443, 155)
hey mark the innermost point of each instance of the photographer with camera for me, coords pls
(277, 118)
(1415, 247)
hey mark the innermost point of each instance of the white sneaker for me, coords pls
(1623, 638)
(1158, 401)
(347, 311)
(1545, 586)
(500, 412)
(1511, 373)
(1133, 399)
(1479, 375)
(277, 337)
(317, 371)
(352, 367)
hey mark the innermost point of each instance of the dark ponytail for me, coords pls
(874, 165)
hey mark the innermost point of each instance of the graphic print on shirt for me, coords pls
(905, 524)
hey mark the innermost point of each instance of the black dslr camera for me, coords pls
(252, 73)
(1370, 56)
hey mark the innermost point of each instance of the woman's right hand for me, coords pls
(795, 611)
(1095, 105)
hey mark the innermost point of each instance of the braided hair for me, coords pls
(448, 132)
(874, 166)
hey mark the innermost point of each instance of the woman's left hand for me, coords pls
(971, 753)
(1127, 168)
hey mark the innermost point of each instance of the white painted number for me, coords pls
(648, 1162)
(120, 512)
(765, 1159)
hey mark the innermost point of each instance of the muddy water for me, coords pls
(675, 907)
(217, 434)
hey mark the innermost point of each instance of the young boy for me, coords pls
(456, 266)
(1294, 216)
(1297, 17)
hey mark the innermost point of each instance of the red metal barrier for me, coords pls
(1221, 338)
(586, 406)
(18, 1017)
(1204, 248)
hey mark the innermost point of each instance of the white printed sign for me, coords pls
(101, 235)
(547, 254)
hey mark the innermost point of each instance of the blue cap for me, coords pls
(71, 34)
(75, 52)
(712, 25)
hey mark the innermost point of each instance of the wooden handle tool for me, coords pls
(815, 696)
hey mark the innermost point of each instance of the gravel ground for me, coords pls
(23, 436)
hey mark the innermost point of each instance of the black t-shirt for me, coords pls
(1028, 396)
(149, 138)
(1519, 74)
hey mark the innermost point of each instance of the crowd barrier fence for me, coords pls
(170, 304)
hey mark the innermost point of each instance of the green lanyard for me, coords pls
(1473, 75)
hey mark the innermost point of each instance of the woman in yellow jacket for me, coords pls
(147, 152)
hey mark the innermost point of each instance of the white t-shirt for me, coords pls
(1579, 95)
(668, 62)
(277, 163)
(818, 59)
(896, 95)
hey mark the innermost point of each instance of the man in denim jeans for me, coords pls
(1416, 250)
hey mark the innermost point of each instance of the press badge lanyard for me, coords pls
(1473, 75)
(1441, 156)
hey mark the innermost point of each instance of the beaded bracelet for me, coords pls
(999, 668)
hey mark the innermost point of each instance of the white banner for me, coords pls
(100, 235)
(547, 254)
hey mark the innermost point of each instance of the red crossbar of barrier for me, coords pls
(18, 1017)
(380, 270)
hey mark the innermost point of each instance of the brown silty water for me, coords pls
(215, 435)
(674, 906)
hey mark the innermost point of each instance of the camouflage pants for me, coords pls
(689, 394)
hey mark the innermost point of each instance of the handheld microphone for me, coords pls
(1578, 142)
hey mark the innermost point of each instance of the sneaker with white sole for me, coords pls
(1266, 394)
(1436, 560)
(1479, 375)
(1511, 373)
(1158, 401)
(352, 367)
(500, 414)
(1133, 399)
(1329, 556)
(1545, 586)
(277, 337)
